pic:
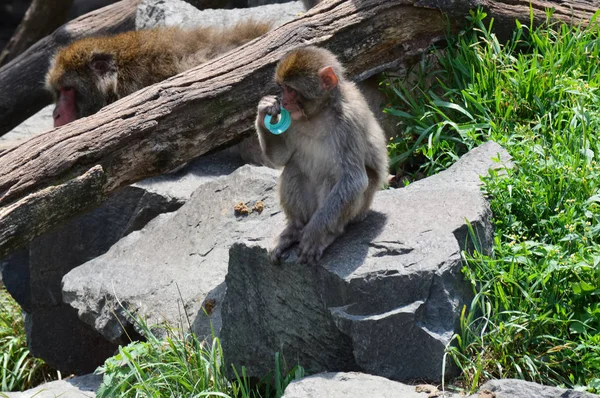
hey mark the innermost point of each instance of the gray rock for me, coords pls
(14, 273)
(56, 335)
(54, 332)
(386, 297)
(36, 124)
(513, 388)
(169, 269)
(393, 280)
(154, 13)
(33, 276)
(352, 385)
(75, 387)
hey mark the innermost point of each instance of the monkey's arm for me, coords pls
(337, 209)
(273, 146)
(340, 206)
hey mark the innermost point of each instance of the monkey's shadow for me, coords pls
(350, 250)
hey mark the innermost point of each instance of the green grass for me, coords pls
(536, 313)
(18, 369)
(184, 366)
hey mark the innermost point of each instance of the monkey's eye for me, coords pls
(287, 90)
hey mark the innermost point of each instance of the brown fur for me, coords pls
(140, 58)
(155, 53)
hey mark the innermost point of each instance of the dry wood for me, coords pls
(505, 12)
(41, 19)
(21, 80)
(172, 122)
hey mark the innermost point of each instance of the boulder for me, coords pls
(154, 13)
(75, 387)
(353, 385)
(33, 275)
(513, 388)
(36, 124)
(386, 297)
(175, 266)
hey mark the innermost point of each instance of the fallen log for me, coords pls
(167, 124)
(23, 93)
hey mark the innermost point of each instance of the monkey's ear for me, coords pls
(103, 63)
(328, 78)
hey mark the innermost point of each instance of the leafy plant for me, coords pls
(184, 366)
(18, 369)
(536, 313)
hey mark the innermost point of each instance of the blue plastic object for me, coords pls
(284, 122)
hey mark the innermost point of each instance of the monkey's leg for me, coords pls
(365, 205)
(298, 203)
(314, 242)
(342, 204)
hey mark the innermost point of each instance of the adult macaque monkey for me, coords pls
(94, 72)
(334, 153)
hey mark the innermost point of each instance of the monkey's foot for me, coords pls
(277, 254)
(311, 254)
(281, 251)
(312, 247)
(290, 236)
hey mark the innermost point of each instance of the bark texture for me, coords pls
(167, 124)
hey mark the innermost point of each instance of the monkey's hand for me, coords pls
(268, 105)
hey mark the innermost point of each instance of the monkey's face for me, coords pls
(83, 90)
(309, 94)
(291, 100)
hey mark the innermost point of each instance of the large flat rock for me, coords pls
(34, 125)
(352, 385)
(153, 13)
(513, 388)
(386, 297)
(166, 271)
(75, 387)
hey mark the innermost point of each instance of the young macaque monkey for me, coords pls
(94, 72)
(334, 153)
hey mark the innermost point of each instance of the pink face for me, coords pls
(65, 111)
(290, 103)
